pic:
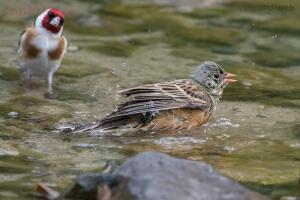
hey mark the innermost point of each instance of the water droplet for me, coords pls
(168, 142)
(223, 122)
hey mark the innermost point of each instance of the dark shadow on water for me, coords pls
(276, 191)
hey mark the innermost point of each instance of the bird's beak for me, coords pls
(55, 21)
(229, 78)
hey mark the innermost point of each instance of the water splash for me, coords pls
(169, 142)
(223, 122)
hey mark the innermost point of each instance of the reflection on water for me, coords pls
(253, 138)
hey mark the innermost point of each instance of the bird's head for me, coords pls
(213, 77)
(50, 20)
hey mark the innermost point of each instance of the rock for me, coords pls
(158, 176)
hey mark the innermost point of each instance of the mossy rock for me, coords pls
(9, 74)
(275, 58)
(114, 48)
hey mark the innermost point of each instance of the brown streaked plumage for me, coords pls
(174, 105)
(178, 119)
(30, 50)
(58, 52)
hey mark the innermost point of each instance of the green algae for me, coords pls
(27, 101)
(275, 191)
(275, 58)
(206, 36)
(282, 98)
(204, 13)
(114, 48)
(78, 69)
(266, 86)
(130, 11)
(9, 74)
(111, 26)
(194, 53)
(288, 25)
(270, 6)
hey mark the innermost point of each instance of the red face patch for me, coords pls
(53, 21)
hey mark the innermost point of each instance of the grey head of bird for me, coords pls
(213, 77)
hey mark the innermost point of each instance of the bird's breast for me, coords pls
(40, 45)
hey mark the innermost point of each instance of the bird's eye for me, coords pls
(50, 15)
(216, 76)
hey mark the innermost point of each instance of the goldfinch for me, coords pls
(42, 46)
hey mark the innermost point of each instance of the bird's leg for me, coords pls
(50, 80)
(26, 79)
(50, 93)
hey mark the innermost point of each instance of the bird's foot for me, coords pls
(50, 95)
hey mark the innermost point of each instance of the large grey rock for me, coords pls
(157, 176)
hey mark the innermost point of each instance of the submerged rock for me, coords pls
(151, 175)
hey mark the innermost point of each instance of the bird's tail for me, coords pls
(105, 124)
(80, 128)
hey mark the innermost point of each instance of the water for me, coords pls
(253, 137)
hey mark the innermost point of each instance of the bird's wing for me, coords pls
(65, 44)
(25, 37)
(152, 98)
(20, 41)
(162, 96)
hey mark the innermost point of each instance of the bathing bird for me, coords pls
(42, 46)
(174, 105)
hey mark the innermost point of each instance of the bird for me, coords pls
(42, 46)
(182, 104)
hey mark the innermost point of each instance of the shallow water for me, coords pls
(254, 137)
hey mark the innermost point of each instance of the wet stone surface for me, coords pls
(253, 137)
(152, 175)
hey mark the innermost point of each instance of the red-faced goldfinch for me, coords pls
(42, 46)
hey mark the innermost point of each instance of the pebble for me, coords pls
(13, 114)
